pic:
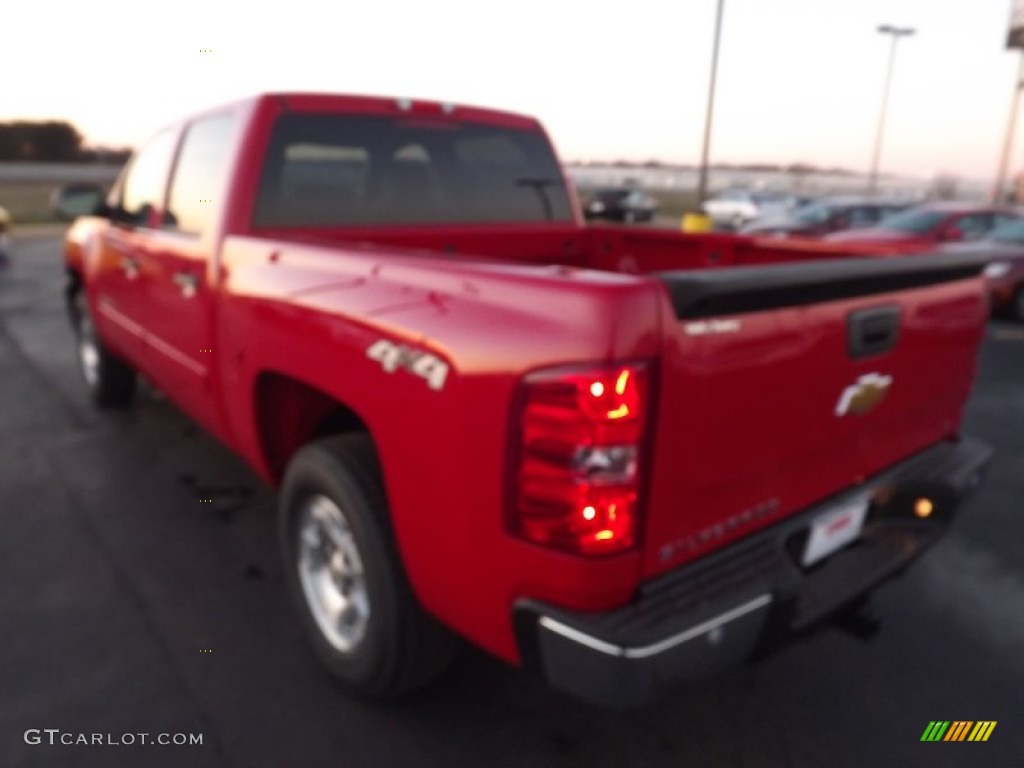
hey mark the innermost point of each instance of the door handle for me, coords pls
(130, 265)
(872, 331)
(188, 282)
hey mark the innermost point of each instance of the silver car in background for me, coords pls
(733, 208)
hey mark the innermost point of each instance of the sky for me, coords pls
(798, 80)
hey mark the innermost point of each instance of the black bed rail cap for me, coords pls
(738, 290)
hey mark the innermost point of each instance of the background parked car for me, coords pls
(926, 225)
(1005, 273)
(75, 199)
(734, 208)
(619, 204)
(825, 216)
(5, 226)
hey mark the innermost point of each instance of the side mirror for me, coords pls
(73, 200)
(953, 234)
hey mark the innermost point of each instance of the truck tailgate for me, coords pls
(782, 386)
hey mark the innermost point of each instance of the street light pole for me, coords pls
(702, 181)
(1004, 160)
(896, 33)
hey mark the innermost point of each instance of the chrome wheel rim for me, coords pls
(88, 355)
(331, 573)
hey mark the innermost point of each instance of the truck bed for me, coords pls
(607, 248)
(757, 341)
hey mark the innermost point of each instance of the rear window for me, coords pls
(612, 194)
(355, 170)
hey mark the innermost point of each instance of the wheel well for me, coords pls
(291, 413)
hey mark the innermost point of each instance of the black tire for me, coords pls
(401, 648)
(110, 381)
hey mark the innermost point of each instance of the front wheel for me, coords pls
(110, 381)
(345, 574)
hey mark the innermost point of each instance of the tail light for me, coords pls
(576, 480)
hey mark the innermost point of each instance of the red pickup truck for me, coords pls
(622, 457)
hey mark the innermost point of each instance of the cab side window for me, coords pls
(200, 175)
(145, 180)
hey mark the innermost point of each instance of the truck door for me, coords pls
(117, 279)
(181, 342)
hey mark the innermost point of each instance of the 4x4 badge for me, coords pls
(863, 395)
(393, 356)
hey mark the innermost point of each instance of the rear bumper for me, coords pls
(750, 596)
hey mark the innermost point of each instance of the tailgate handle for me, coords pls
(871, 331)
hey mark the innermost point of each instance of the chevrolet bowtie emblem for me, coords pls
(862, 396)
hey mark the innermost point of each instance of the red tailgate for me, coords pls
(795, 392)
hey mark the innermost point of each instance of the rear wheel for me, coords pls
(345, 574)
(110, 381)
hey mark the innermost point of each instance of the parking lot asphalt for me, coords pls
(129, 606)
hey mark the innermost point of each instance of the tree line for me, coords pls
(51, 141)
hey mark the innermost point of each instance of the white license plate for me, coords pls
(834, 529)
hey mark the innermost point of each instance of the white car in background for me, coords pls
(735, 207)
